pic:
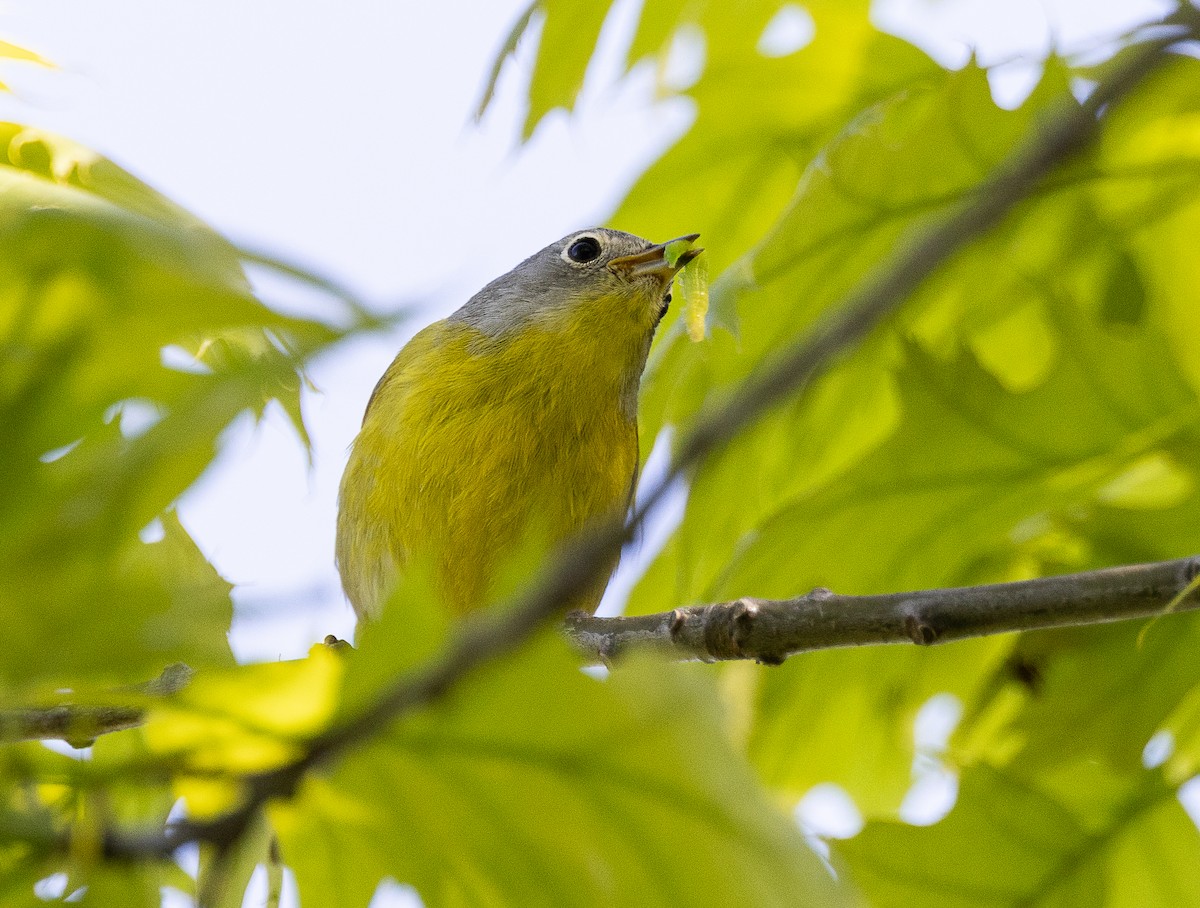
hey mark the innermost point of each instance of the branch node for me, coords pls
(1191, 570)
(336, 644)
(678, 616)
(744, 612)
(743, 617)
(741, 623)
(820, 593)
(919, 632)
(607, 652)
(174, 678)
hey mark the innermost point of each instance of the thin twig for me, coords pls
(80, 724)
(770, 630)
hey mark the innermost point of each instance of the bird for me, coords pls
(515, 415)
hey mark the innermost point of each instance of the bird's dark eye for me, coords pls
(584, 249)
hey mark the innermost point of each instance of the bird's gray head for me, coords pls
(583, 267)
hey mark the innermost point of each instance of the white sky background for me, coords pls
(338, 135)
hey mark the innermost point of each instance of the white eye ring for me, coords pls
(582, 250)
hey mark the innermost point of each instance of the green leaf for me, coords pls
(1085, 694)
(1007, 426)
(243, 719)
(116, 886)
(1006, 843)
(847, 716)
(129, 341)
(12, 52)
(1007, 494)
(570, 29)
(534, 784)
(507, 49)
(737, 168)
(114, 620)
(414, 627)
(225, 874)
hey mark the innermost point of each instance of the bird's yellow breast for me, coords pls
(471, 441)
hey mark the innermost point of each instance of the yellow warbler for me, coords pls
(517, 413)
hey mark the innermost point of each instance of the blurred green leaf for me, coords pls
(745, 156)
(569, 30)
(1006, 843)
(10, 51)
(1021, 418)
(239, 721)
(1092, 694)
(530, 782)
(1009, 494)
(534, 784)
(129, 341)
(507, 49)
(906, 158)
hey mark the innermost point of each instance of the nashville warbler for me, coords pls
(517, 413)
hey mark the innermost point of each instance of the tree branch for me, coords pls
(80, 724)
(490, 635)
(770, 630)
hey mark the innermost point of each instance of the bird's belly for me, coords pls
(533, 480)
(481, 483)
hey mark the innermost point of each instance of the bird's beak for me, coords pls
(653, 261)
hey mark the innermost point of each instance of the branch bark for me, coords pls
(769, 630)
(80, 724)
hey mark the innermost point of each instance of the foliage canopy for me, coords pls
(1033, 409)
